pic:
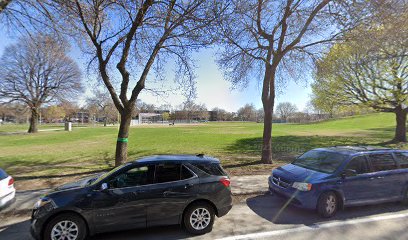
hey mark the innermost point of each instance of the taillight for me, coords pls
(11, 181)
(225, 181)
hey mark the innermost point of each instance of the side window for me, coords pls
(186, 173)
(402, 158)
(133, 177)
(382, 162)
(211, 169)
(167, 173)
(359, 164)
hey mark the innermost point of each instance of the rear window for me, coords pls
(211, 169)
(382, 162)
(3, 174)
(402, 158)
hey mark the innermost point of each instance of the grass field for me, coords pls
(238, 145)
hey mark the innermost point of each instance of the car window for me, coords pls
(382, 162)
(3, 174)
(167, 172)
(402, 158)
(137, 176)
(320, 160)
(359, 164)
(186, 173)
(211, 169)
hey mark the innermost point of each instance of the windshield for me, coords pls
(104, 175)
(322, 161)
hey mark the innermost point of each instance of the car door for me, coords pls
(123, 204)
(386, 176)
(175, 185)
(358, 189)
(402, 158)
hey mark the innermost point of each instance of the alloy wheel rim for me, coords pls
(200, 218)
(65, 230)
(330, 204)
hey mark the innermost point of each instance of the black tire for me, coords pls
(206, 211)
(73, 218)
(328, 204)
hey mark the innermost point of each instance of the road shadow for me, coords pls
(21, 231)
(156, 233)
(275, 209)
(16, 231)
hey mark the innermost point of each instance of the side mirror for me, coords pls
(348, 173)
(104, 187)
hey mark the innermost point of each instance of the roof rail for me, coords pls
(200, 155)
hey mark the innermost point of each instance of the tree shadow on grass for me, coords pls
(291, 145)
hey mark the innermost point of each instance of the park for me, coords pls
(49, 156)
(203, 119)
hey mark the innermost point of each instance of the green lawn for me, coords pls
(238, 145)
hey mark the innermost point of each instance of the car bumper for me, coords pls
(223, 211)
(306, 200)
(7, 199)
(35, 229)
(39, 217)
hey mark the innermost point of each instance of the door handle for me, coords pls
(380, 177)
(372, 178)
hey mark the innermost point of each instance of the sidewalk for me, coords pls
(249, 184)
(240, 185)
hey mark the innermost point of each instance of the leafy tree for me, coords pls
(54, 112)
(165, 116)
(38, 70)
(371, 68)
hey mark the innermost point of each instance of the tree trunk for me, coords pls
(105, 120)
(268, 101)
(33, 121)
(267, 135)
(122, 141)
(401, 128)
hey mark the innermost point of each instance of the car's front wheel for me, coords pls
(199, 218)
(327, 204)
(66, 226)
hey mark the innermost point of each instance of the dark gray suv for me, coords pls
(153, 191)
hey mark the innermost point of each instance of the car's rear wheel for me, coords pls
(327, 204)
(199, 218)
(66, 227)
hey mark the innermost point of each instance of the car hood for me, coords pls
(295, 173)
(78, 184)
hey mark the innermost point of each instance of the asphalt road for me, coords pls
(266, 217)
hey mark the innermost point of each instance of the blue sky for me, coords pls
(212, 89)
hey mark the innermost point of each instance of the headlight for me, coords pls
(301, 186)
(42, 202)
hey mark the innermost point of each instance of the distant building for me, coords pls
(155, 116)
